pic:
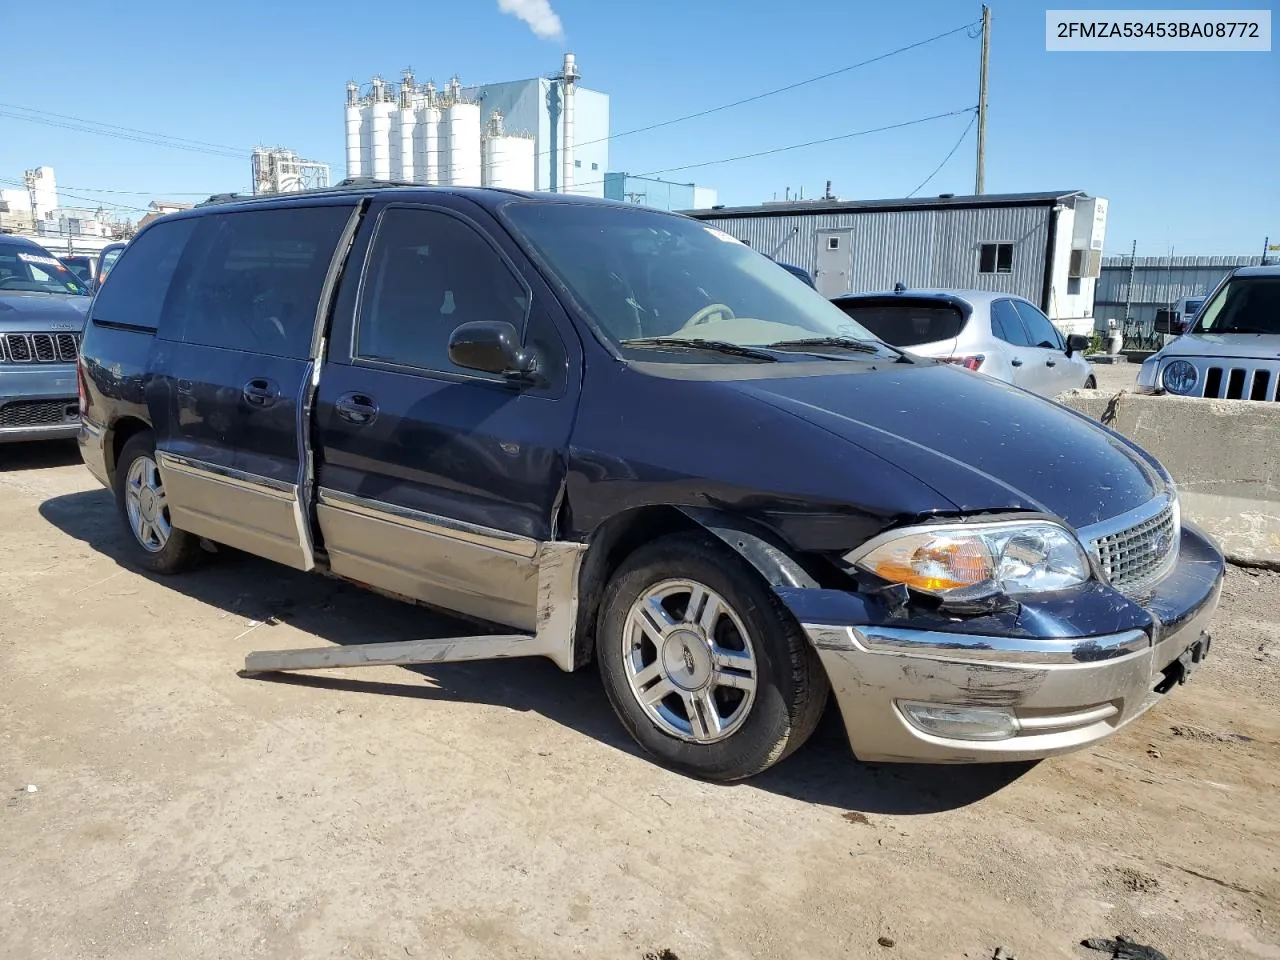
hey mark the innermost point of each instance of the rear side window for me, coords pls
(1043, 332)
(1006, 325)
(141, 277)
(906, 323)
(428, 273)
(251, 280)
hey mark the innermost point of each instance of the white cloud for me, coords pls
(542, 20)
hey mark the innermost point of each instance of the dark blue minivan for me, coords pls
(621, 435)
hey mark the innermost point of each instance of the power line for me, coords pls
(951, 153)
(72, 196)
(155, 141)
(796, 146)
(770, 93)
(115, 127)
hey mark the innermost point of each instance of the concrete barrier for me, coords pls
(1224, 455)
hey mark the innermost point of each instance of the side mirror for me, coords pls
(1167, 322)
(1077, 341)
(492, 346)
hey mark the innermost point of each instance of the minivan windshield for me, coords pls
(1243, 305)
(26, 268)
(652, 281)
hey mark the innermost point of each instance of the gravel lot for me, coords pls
(497, 810)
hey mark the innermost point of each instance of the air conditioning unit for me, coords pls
(1085, 263)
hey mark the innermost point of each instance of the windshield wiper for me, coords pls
(713, 346)
(1245, 330)
(843, 343)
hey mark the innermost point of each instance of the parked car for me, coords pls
(106, 260)
(1232, 351)
(42, 314)
(627, 438)
(84, 266)
(800, 273)
(1003, 336)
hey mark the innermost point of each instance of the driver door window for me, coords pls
(428, 273)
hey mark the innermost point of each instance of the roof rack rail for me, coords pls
(343, 186)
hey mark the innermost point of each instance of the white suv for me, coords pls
(1233, 351)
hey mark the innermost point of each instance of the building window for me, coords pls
(833, 243)
(995, 258)
(595, 166)
(1073, 286)
(577, 163)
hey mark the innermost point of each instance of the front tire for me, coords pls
(703, 665)
(1091, 383)
(140, 498)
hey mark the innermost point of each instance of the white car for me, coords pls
(1001, 335)
(1233, 350)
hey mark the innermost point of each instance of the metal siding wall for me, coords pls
(1158, 282)
(921, 248)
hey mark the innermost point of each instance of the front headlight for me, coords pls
(975, 560)
(1179, 377)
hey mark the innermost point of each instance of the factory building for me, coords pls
(546, 133)
(662, 194)
(1046, 247)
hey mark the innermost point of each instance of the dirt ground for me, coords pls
(497, 810)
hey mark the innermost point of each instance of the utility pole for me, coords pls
(1266, 245)
(1133, 265)
(980, 175)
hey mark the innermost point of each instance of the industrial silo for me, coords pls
(426, 143)
(508, 159)
(462, 120)
(404, 122)
(354, 166)
(380, 132)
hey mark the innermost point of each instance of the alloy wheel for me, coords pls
(145, 502)
(689, 661)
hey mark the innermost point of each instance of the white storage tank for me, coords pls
(426, 145)
(354, 166)
(509, 162)
(403, 161)
(380, 132)
(462, 120)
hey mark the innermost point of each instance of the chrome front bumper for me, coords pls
(1023, 698)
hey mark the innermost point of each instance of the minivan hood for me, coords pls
(1248, 346)
(982, 444)
(41, 312)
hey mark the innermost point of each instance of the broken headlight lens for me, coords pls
(973, 561)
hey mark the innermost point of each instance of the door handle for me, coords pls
(357, 408)
(260, 392)
(1015, 362)
(1051, 363)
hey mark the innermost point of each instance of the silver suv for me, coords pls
(1233, 351)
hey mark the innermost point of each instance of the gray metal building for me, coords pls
(1046, 247)
(1158, 282)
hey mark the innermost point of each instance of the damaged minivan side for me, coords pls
(618, 435)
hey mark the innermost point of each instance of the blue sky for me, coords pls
(1185, 145)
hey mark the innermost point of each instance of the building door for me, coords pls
(438, 482)
(835, 261)
(229, 366)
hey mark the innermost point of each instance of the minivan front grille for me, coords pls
(39, 348)
(1134, 557)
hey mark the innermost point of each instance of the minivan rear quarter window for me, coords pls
(250, 280)
(904, 322)
(143, 275)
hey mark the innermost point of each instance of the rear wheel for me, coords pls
(703, 665)
(141, 499)
(1091, 383)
